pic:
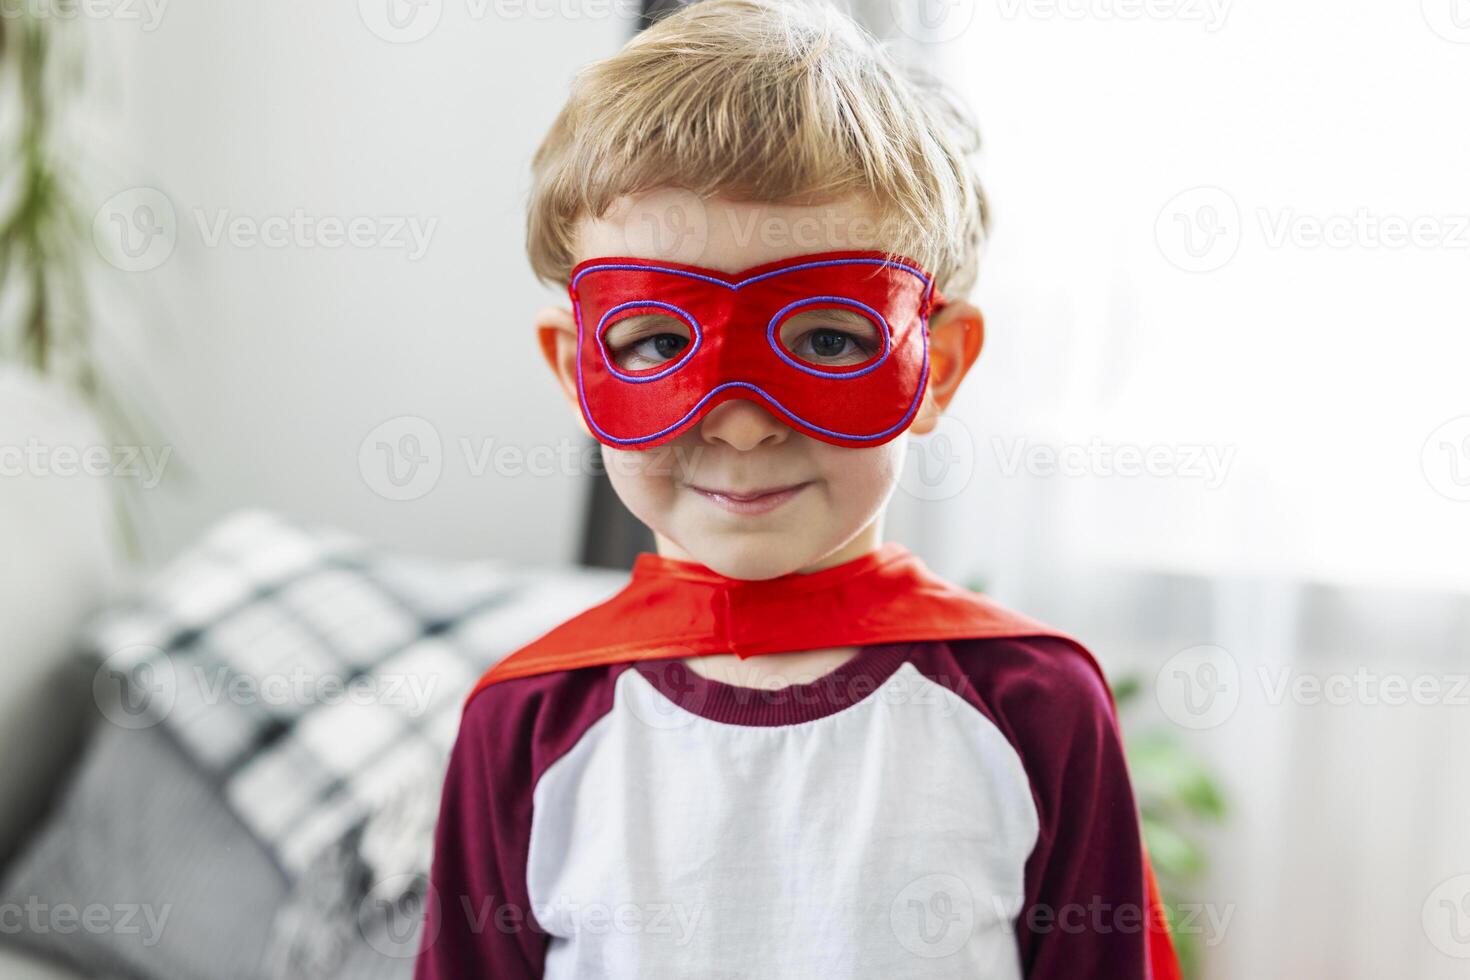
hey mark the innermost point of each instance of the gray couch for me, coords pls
(44, 714)
(136, 825)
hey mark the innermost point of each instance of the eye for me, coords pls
(831, 337)
(649, 340)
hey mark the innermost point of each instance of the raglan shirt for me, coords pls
(936, 810)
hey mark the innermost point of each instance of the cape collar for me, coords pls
(676, 608)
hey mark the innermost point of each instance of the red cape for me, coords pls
(672, 608)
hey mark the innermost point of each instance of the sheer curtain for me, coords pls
(1221, 428)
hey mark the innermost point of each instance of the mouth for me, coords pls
(753, 501)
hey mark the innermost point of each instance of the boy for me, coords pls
(786, 749)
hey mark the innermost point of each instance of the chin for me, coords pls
(755, 558)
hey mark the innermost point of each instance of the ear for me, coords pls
(956, 334)
(556, 331)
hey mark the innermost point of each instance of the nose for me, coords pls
(742, 424)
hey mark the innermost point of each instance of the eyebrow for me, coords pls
(639, 320)
(839, 314)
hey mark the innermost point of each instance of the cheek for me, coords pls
(864, 477)
(645, 481)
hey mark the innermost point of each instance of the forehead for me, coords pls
(717, 233)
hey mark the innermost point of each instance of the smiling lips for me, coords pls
(751, 502)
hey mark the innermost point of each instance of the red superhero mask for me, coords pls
(833, 343)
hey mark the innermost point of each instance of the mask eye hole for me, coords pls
(647, 341)
(831, 337)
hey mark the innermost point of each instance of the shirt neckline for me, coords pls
(732, 704)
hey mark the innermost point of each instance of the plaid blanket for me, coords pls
(317, 679)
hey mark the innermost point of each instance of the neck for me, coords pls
(779, 670)
(866, 541)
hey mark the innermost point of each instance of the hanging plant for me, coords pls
(47, 323)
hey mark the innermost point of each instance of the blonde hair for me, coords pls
(778, 101)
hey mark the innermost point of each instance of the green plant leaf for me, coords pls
(1167, 774)
(1173, 855)
(1126, 689)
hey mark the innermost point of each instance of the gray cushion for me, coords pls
(142, 872)
(43, 720)
(15, 965)
(174, 885)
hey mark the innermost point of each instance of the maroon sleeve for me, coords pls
(478, 919)
(1086, 898)
(475, 920)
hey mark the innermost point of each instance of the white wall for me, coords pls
(1333, 546)
(1331, 372)
(274, 363)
